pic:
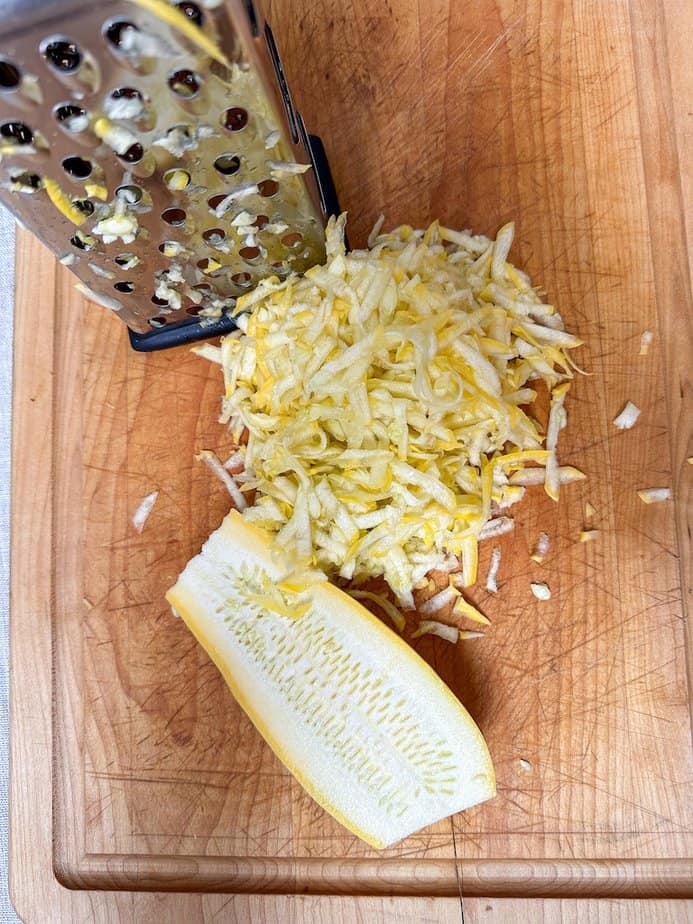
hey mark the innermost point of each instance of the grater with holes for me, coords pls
(155, 148)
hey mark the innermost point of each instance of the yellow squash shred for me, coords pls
(387, 400)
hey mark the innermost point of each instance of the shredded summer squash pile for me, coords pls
(385, 399)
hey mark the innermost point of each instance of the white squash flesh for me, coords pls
(363, 723)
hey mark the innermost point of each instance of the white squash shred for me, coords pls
(588, 535)
(494, 565)
(497, 527)
(540, 590)
(439, 601)
(654, 495)
(100, 298)
(645, 341)
(123, 107)
(385, 395)
(211, 460)
(530, 476)
(431, 627)
(590, 510)
(541, 548)
(120, 224)
(444, 631)
(375, 230)
(101, 271)
(628, 416)
(235, 461)
(117, 137)
(282, 168)
(208, 351)
(380, 600)
(140, 516)
(242, 191)
(557, 420)
(182, 139)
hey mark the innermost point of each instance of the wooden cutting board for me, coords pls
(570, 119)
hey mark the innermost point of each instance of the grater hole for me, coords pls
(124, 103)
(126, 93)
(249, 253)
(221, 71)
(17, 132)
(114, 31)
(184, 83)
(292, 239)
(157, 322)
(215, 201)
(159, 302)
(175, 217)
(193, 310)
(241, 279)
(267, 188)
(25, 182)
(62, 54)
(133, 155)
(130, 194)
(213, 236)
(176, 179)
(126, 287)
(10, 75)
(252, 17)
(208, 265)
(234, 119)
(72, 118)
(192, 11)
(171, 249)
(77, 167)
(125, 259)
(79, 242)
(84, 206)
(261, 221)
(227, 164)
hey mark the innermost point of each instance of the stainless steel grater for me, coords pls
(155, 148)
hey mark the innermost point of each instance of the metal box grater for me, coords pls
(155, 148)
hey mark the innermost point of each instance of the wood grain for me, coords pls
(568, 118)
(574, 911)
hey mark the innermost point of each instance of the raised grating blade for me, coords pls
(155, 148)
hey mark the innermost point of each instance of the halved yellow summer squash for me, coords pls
(363, 723)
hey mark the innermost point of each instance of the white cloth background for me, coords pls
(7, 913)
